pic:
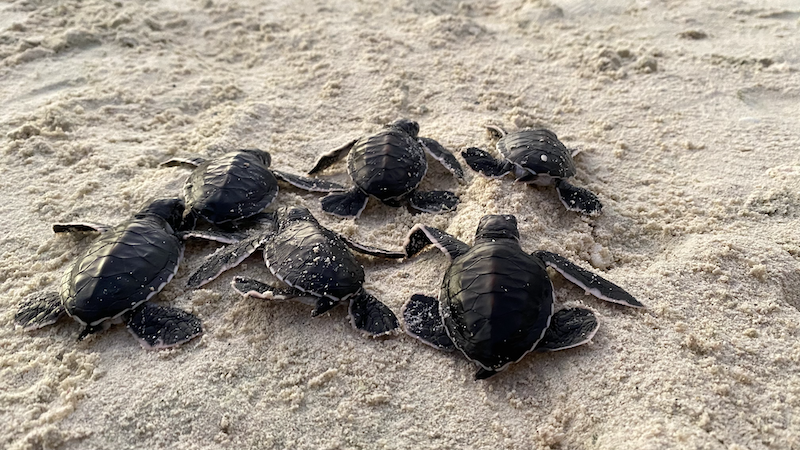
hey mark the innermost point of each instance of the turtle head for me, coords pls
(169, 209)
(261, 154)
(290, 214)
(497, 226)
(409, 126)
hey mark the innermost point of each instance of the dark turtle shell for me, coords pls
(125, 266)
(308, 257)
(387, 165)
(496, 300)
(234, 186)
(538, 151)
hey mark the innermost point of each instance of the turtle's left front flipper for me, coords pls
(163, 326)
(80, 227)
(568, 328)
(226, 258)
(309, 184)
(38, 310)
(370, 250)
(370, 316)
(590, 282)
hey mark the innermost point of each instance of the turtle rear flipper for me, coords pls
(250, 287)
(331, 157)
(421, 235)
(225, 258)
(423, 321)
(347, 204)
(309, 184)
(578, 199)
(568, 328)
(163, 326)
(590, 282)
(39, 310)
(433, 201)
(443, 155)
(485, 164)
(370, 316)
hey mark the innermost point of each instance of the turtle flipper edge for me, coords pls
(423, 321)
(327, 159)
(568, 328)
(421, 235)
(433, 201)
(347, 204)
(444, 156)
(163, 326)
(309, 184)
(368, 315)
(484, 163)
(578, 199)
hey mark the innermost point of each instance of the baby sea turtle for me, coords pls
(389, 166)
(237, 185)
(116, 276)
(496, 301)
(314, 263)
(536, 157)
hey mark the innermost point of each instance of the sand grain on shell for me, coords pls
(686, 117)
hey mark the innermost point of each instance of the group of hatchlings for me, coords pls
(495, 303)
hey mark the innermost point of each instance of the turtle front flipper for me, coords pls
(80, 227)
(250, 287)
(347, 204)
(444, 156)
(370, 250)
(590, 282)
(163, 326)
(331, 157)
(423, 321)
(370, 316)
(433, 201)
(578, 199)
(568, 328)
(226, 258)
(421, 235)
(222, 237)
(191, 162)
(485, 164)
(309, 184)
(39, 310)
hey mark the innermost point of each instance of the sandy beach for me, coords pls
(687, 118)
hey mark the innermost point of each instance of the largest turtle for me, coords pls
(496, 301)
(389, 166)
(115, 276)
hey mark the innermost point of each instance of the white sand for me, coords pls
(692, 145)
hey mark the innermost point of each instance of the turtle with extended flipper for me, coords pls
(535, 157)
(314, 263)
(496, 301)
(236, 186)
(114, 278)
(389, 166)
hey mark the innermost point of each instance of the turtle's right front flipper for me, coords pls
(370, 316)
(331, 157)
(485, 164)
(568, 328)
(38, 310)
(423, 321)
(226, 258)
(80, 227)
(158, 327)
(421, 236)
(309, 184)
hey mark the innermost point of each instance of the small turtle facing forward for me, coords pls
(236, 186)
(389, 166)
(116, 276)
(496, 301)
(315, 264)
(536, 157)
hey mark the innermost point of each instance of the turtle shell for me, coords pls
(122, 269)
(537, 151)
(234, 186)
(308, 257)
(496, 302)
(387, 165)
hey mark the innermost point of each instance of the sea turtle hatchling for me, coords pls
(314, 263)
(536, 156)
(496, 301)
(114, 278)
(236, 186)
(389, 166)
